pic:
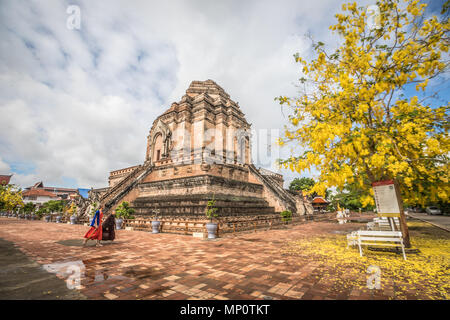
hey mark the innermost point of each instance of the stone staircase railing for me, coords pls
(270, 173)
(124, 186)
(274, 186)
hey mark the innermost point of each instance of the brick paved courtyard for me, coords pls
(140, 265)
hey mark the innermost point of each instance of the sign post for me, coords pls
(388, 202)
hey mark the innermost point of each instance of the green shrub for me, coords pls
(124, 211)
(286, 215)
(211, 209)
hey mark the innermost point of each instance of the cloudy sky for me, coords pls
(78, 103)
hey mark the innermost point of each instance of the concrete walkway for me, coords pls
(437, 220)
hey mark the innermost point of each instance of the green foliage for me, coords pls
(42, 211)
(94, 208)
(52, 206)
(56, 205)
(39, 213)
(124, 211)
(29, 207)
(286, 215)
(303, 184)
(349, 198)
(211, 209)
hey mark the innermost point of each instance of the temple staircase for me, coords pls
(268, 179)
(120, 190)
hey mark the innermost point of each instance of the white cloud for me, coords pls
(4, 167)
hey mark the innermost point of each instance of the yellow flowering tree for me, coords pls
(10, 197)
(351, 117)
(72, 209)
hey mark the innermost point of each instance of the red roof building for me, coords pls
(62, 193)
(319, 204)
(38, 196)
(4, 179)
(38, 193)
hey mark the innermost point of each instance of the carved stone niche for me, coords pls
(161, 131)
(205, 166)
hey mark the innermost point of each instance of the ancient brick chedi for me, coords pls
(197, 149)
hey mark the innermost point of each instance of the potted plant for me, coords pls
(155, 222)
(39, 214)
(211, 214)
(72, 212)
(58, 217)
(123, 211)
(286, 216)
(48, 216)
(21, 213)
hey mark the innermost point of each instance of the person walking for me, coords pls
(95, 233)
(109, 226)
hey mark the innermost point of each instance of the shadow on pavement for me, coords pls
(79, 243)
(23, 279)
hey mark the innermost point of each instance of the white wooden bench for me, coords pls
(382, 224)
(376, 238)
(352, 239)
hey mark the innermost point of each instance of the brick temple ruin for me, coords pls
(197, 149)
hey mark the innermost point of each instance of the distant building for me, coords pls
(38, 196)
(320, 204)
(61, 193)
(4, 179)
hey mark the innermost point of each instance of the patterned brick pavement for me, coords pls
(140, 265)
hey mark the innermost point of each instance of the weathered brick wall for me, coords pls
(168, 172)
(118, 175)
(200, 184)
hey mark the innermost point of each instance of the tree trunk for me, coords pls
(403, 225)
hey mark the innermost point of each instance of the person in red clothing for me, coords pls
(95, 233)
